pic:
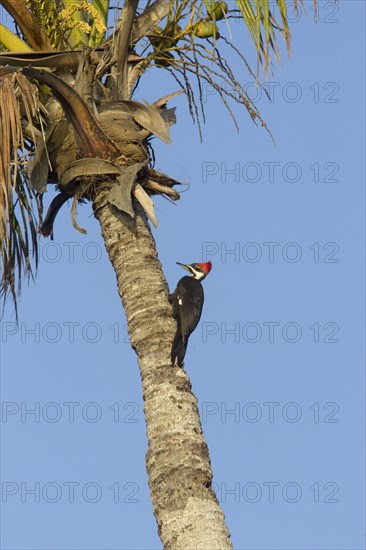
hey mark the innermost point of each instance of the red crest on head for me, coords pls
(206, 267)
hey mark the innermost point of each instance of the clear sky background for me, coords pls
(277, 361)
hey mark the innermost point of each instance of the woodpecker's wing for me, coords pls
(189, 303)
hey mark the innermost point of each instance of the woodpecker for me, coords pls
(187, 301)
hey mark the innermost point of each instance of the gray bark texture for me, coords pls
(178, 463)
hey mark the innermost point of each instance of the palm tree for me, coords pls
(67, 118)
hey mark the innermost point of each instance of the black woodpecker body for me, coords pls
(187, 302)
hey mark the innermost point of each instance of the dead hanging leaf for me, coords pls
(148, 117)
(146, 203)
(86, 168)
(38, 169)
(39, 166)
(19, 107)
(162, 102)
(73, 216)
(120, 124)
(169, 116)
(120, 194)
(158, 189)
(46, 229)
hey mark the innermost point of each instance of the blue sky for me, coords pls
(277, 361)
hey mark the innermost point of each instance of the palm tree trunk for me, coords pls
(178, 463)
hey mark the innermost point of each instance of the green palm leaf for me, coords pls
(264, 28)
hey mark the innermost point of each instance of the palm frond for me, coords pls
(264, 29)
(19, 105)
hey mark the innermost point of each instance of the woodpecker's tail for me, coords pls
(179, 349)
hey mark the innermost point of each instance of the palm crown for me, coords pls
(65, 76)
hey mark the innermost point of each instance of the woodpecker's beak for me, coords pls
(185, 266)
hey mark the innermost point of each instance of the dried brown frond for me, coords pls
(19, 107)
